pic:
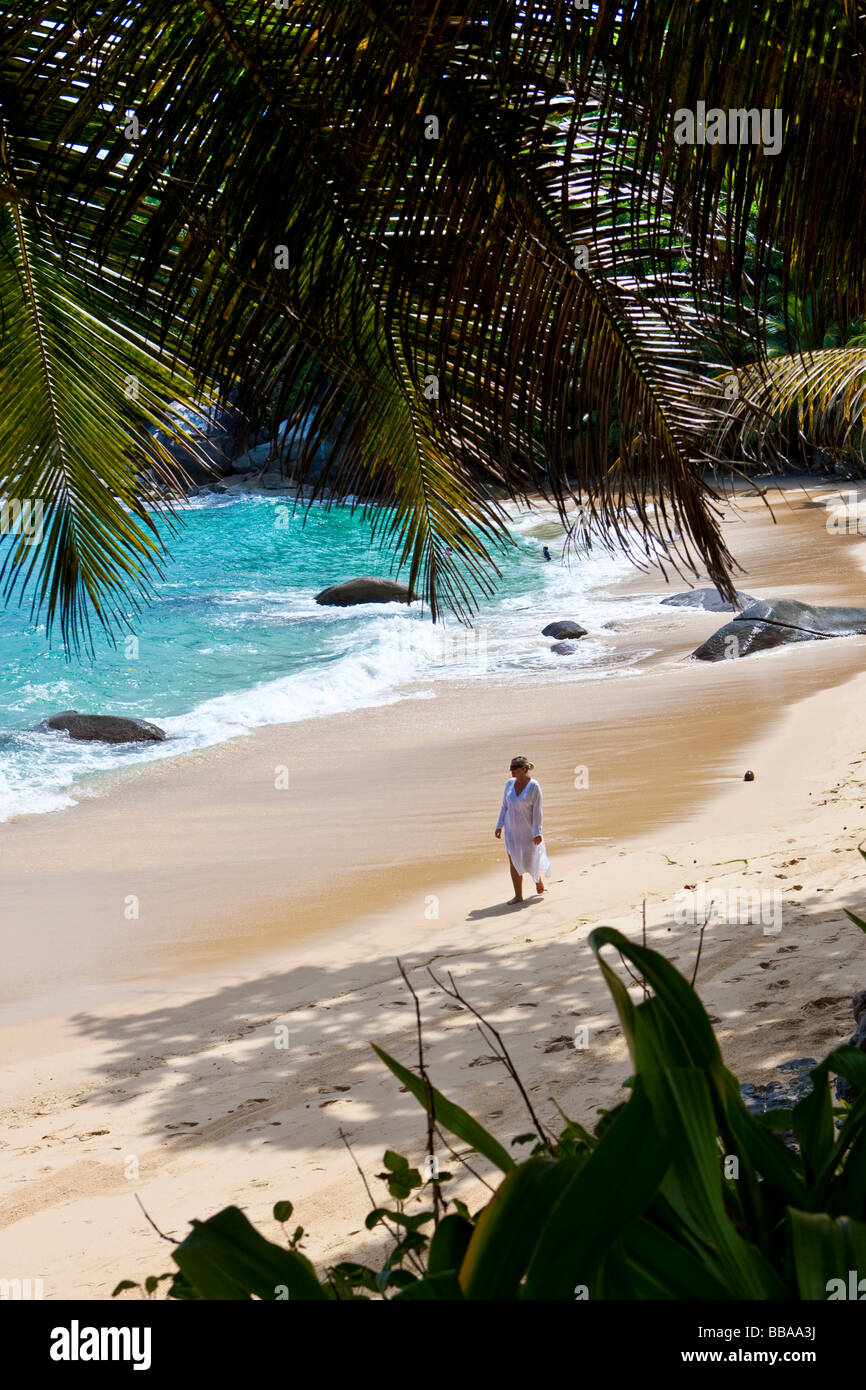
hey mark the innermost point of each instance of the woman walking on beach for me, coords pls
(521, 816)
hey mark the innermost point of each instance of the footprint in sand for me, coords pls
(827, 1001)
(483, 1061)
(559, 1044)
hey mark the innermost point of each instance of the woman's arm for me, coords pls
(536, 812)
(502, 809)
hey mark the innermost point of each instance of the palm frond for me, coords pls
(819, 398)
(81, 392)
(802, 68)
(387, 195)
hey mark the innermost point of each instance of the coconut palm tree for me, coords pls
(461, 242)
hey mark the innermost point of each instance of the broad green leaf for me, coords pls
(450, 1116)
(509, 1227)
(825, 1250)
(612, 1188)
(657, 1261)
(813, 1125)
(678, 1005)
(448, 1244)
(225, 1257)
(683, 1113)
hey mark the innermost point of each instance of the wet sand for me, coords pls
(204, 860)
(139, 1053)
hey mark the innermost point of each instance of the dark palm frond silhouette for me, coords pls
(459, 244)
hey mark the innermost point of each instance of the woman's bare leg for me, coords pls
(539, 887)
(517, 880)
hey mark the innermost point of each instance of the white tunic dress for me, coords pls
(521, 817)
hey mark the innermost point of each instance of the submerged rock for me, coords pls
(564, 648)
(563, 629)
(710, 600)
(767, 623)
(365, 589)
(103, 728)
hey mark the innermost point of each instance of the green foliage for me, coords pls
(529, 257)
(679, 1193)
(550, 257)
(81, 388)
(455, 1119)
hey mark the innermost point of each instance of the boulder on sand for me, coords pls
(846, 1090)
(365, 589)
(563, 629)
(778, 622)
(710, 600)
(103, 728)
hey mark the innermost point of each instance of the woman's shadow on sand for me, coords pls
(501, 908)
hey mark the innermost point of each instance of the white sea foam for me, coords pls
(377, 656)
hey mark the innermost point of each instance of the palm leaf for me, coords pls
(82, 393)
(819, 396)
(452, 258)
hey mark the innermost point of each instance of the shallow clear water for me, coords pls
(234, 639)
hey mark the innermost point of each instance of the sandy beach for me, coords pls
(159, 936)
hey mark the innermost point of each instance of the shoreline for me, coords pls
(153, 1038)
(186, 1079)
(200, 860)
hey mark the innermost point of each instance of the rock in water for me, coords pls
(738, 638)
(710, 600)
(103, 728)
(777, 623)
(820, 622)
(366, 589)
(563, 629)
(564, 648)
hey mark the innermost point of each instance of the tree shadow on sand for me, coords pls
(298, 1097)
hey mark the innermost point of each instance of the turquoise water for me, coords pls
(234, 640)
